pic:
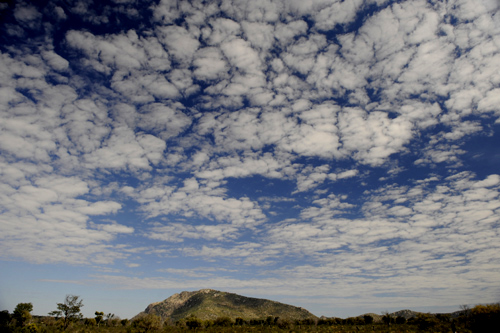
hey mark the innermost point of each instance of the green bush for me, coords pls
(485, 318)
(90, 322)
(194, 323)
(223, 322)
(146, 324)
(30, 328)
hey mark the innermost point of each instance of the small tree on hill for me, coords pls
(240, 321)
(223, 321)
(193, 323)
(387, 319)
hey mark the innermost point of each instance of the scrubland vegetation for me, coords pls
(68, 318)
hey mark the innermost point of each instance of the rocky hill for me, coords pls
(407, 314)
(211, 304)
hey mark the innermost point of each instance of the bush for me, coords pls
(283, 324)
(387, 319)
(90, 322)
(223, 322)
(4, 318)
(307, 321)
(485, 318)
(194, 323)
(426, 321)
(145, 324)
(30, 328)
(240, 321)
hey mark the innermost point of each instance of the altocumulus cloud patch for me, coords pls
(318, 152)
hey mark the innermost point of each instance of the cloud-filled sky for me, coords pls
(341, 156)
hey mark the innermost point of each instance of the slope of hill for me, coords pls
(211, 304)
(377, 318)
(407, 314)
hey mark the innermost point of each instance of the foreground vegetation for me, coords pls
(68, 318)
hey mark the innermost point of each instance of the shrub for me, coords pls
(223, 322)
(194, 323)
(283, 324)
(426, 321)
(4, 318)
(145, 324)
(30, 328)
(485, 318)
(240, 321)
(90, 322)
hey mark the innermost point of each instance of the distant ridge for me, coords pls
(210, 304)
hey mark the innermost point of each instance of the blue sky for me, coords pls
(341, 156)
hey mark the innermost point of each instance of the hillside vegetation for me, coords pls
(209, 304)
(214, 311)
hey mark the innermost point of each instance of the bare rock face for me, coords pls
(166, 308)
(211, 304)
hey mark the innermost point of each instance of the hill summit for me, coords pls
(210, 304)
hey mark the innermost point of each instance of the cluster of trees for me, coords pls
(67, 314)
(68, 318)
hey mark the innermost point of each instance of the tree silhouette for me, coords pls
(70, 309)
(22, 313)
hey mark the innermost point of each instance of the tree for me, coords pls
(387, 319)
(193, 323)
(239, 321)
(485, 318)
(147, 323)
(368, 319)
(90, 322)
(223, 321)
(22, 313)
(4, 318)
(109, 317)
(426, 321)
(98, 317)
(70, 309)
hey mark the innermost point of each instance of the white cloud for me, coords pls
(347, 174)
(311, 178)
(46, 221)
(223, 30)
(169, 116)
(180, 42)
(199, 200)
(373, 137)
(177, 232)
(27, 15)
(55, 61)
(210, 64)
(60, 13)
(125, 149)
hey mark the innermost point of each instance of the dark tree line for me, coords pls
(68, 318)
